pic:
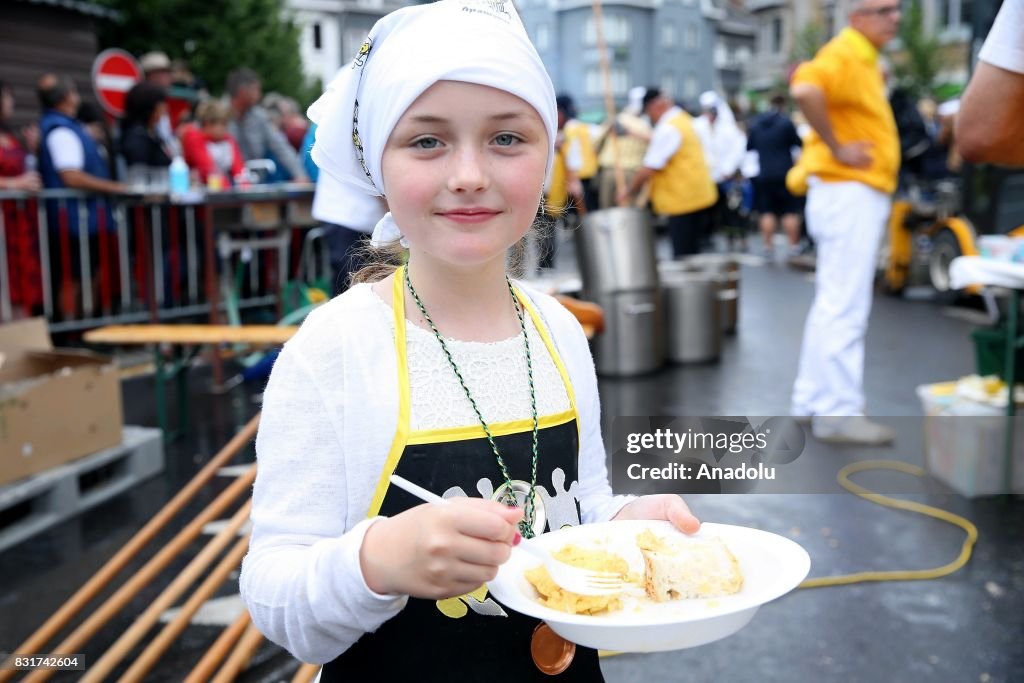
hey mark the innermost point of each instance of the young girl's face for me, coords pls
(463, 172)
(217, 130)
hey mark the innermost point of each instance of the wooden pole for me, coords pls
(59, 620)
(609, 99)
(243, 652)
(306, 673)
(207, 666)
(138, 630)
(169, 552)
(151, 655)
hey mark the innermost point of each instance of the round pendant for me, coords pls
(520, 491)
(552, 653)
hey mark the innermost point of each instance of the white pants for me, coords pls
(847, 221)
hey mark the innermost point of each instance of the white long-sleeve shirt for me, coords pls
(329, 417)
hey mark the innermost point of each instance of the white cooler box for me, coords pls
(965, 442)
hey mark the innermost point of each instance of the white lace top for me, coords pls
(499, 387)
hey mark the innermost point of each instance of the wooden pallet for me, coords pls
(36, 503)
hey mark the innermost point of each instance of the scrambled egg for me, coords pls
(554, 596)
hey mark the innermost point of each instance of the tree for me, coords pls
(215, 38)
(918, 63)
(808, 41)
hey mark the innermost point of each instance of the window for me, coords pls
(966, 12)
(595, 82)
(617, 30)
(668, 34)
(542, 37)
(668, 84)
(690, 86)
(776, 35)
(721, 55)
(692, 37)
(743, 54)
(317, 42)
(946, 13)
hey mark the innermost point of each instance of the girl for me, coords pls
(210, 149)
(444, 372)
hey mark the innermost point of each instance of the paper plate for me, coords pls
(771, 564)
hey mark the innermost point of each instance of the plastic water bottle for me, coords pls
(179, 177)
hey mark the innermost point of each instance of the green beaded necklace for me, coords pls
(526, 525)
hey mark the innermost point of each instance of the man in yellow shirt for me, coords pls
(681, 185)
(851, 158)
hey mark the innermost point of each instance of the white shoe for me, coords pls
(854, 430)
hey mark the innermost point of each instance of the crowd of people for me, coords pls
(662, 146)
(72, 147)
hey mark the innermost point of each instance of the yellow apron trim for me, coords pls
(402, 432)
(498, 429)
(543, 331)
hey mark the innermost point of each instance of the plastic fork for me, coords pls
(572, 579)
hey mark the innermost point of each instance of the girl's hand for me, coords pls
(439, 551)
(664, 506)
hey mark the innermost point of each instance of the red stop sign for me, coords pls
(114, 72)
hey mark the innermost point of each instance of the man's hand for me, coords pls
(853, 154)
(26, 182)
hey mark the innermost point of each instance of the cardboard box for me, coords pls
(56, 405)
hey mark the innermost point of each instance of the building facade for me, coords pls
(666, 43)
(333, 30)
(735, 45)
(787, 30)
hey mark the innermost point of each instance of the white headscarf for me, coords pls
(729, 143)
(407, 51)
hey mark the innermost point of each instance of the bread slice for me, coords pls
(677, 568)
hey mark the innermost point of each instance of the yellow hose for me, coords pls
(920, 508)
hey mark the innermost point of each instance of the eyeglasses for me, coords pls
(887, 11)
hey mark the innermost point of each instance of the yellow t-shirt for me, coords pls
(846, 70)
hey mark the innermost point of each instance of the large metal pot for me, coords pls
(692, 311)
(631, 343)
(615, 249)
(721, 266)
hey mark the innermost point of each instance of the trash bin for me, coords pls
(692, 311)
(615, 249)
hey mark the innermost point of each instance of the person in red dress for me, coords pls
(19, 216)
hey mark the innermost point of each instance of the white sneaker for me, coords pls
(854, 430)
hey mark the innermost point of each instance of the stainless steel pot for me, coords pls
(615, 249)
(692, 310)
(632, 341)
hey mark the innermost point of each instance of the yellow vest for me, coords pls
(847, 71)
(684, 185)
(557, 196)
(580, 131)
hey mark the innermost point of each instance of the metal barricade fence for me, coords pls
(84, 260)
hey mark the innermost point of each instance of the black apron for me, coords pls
(471, 637)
